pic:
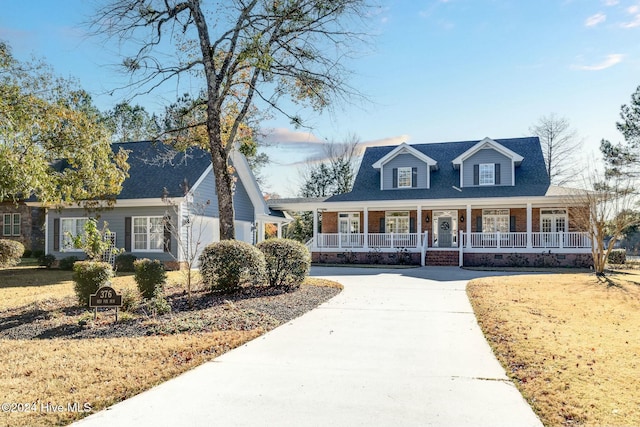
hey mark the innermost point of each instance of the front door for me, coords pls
(444, 232)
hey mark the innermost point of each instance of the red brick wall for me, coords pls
(442, 258)
(329, 222)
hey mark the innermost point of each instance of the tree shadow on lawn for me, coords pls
(31, 276)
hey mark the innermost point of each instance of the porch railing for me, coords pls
(374, 240)
(497, 240)
(560, 240)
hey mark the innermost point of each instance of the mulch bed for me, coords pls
(245, 309)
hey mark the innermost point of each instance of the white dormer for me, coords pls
(405, 167)
(487, 163)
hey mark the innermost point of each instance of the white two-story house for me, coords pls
(485, 202)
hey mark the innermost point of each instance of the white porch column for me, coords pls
(365, 226)
(315, 228)
(468, 226)
(529, 228)
(419, 226)
(279, 230)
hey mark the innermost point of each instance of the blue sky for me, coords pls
(443, 70)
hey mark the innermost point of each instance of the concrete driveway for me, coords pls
(395, 348)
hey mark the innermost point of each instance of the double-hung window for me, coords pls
(148, 233)
(404, 177)
(71, 228)
(11, 224)
(487, 174)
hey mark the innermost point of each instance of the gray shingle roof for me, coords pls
(530, 177)
(153, 167)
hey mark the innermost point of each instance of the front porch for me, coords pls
(451, 236)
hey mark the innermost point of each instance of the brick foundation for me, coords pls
(371, 257)
(526, 260)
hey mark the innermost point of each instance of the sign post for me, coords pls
(106, 296)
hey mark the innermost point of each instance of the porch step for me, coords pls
(442, 258)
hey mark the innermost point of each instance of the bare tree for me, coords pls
(606, 214)
(559, 144)
(244, 51)
(187, 227)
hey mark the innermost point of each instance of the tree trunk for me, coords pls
(224, 183)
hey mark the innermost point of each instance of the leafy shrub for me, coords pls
(517, 260)
(124, 262)
(27, 253)
(89, 276)
(67, 263)
(10, 252)
(37, 254)
(130, 299)
(46, 260)
(288, 261)
(157, 304)
(617, 256)
(227, 265)
(150, 276)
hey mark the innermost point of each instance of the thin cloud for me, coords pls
(596, 19)
(283, 136)
(632, 24)
(609, 61)
(610, 2)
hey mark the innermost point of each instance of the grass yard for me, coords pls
(570, 342)
(40, 373)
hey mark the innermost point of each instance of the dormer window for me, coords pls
(404, 177)
(487, 174)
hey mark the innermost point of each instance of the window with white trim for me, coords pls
(553, 220)
(404, 177)
(494, 220)
(148, 234)
(397, 222)
(11, 224)
(487, 174)
(70, 228)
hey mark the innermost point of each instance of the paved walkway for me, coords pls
(395, 348)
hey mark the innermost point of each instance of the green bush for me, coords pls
(27, 253)
(89, 276)
(10, 252)
(124, 262)
(46, 260)
(37, 254)
(130, 299)
(288, 261)
(67, 263)
(617, 256)
(157, 304)
(226, 265)
(150, 276)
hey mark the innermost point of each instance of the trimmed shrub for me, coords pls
(157, 304)
(89, 276)
(46, 260)
(130, 299)
(67, 263)
(37, 254)
(226, 265)
(617, 256)
(124, 262)
(288, 261)
(150, 276)
(10, 252)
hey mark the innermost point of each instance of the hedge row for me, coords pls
(227, 265)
